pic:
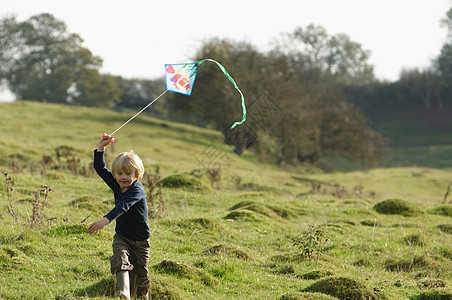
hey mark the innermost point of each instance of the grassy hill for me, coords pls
(223, 227)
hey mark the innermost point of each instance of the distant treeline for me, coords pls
(312, 95)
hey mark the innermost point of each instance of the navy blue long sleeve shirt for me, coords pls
(131, 210)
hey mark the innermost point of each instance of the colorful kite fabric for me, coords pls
(181, 77)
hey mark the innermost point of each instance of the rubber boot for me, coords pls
(123, 285)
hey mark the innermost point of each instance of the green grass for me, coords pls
(411, 145)
(419, 145)
(229, 238)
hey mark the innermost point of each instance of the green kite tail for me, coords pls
(235, 85)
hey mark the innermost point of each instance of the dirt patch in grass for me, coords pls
(371, 223)
(408, 264)
(250, 186)
(343, 288)
(186, 180)
(429, 283)
(184, 270)
(11, 258)
(271, 211)
(446, 228)
(307, 296)
(405, 225)
(434, 294)
(287, 270)
(282, 212)
(362, 262)
(160, 289)
(227, 250)
(398, 207)
(442, 210)
(86, 202)
(415, 240)
(257, 208)
(103, 288)
(445, 252)
(293, 257)
(316, 274)
(200, 223)
(243, 215)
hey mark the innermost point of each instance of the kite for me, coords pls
(180, 78)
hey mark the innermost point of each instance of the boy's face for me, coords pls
(125, 179)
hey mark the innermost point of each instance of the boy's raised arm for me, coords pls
(106, 139)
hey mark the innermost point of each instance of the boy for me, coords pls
(131, 242)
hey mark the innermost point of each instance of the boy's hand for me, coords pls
(98, 225)
(106, 139)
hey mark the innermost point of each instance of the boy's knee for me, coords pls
(120, 262)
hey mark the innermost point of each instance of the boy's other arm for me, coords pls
(132, 196)
(98, 225)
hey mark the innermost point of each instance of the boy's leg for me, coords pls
(120, 265)
(140, 279)
(123, 285)
(120, 261)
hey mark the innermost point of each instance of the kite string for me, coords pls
(197, 64)
(139, 112)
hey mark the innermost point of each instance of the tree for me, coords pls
(137, 93)
(94, 89)
(311, 119)
(421, 87)
(214, 99)
(319, 55)
(443, 63)
(40, 60)
(326, 65)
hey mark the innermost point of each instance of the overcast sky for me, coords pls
(136, 38)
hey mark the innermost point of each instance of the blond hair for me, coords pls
(128, 162)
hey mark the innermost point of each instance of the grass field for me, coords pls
(227, 227)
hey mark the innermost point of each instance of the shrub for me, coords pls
(407, 264)
(227, 250)
(343, 288)
(443, 210)
(184, 270)
(87, 202)
(431, 283)
(372, 223)
(255, 207)
(185, 180)
(161, 289)
(316, 274)
(311, 241)
(447, 228)
(242, 215)
(434, 294)
(271, 211)
(415, 240)
(398, 207)
(199, 223)
(307, 296)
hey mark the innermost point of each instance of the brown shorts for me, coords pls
(133, 256)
